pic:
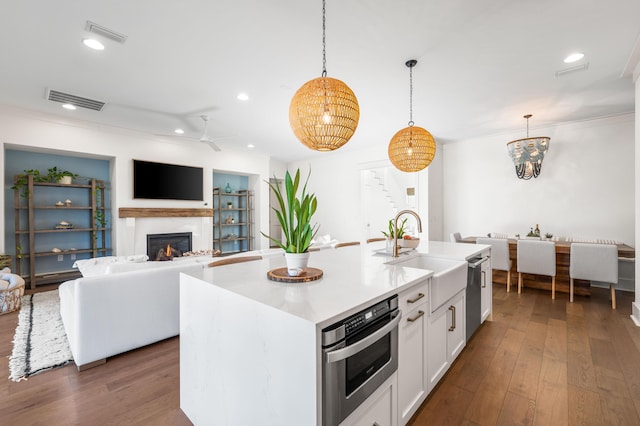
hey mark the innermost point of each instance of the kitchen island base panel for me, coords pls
(242, 362)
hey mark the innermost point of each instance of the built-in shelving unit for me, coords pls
(232, 221)
(45, 252)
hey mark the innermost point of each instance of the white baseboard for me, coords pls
(635, 313)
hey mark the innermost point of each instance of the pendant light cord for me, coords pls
(410, 96)
(324, 41)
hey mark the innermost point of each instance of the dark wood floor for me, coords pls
(538, 362)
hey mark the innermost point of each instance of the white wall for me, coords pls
(336, 181)
(21, 129)
(585, 187)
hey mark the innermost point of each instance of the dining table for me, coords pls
(563, 258)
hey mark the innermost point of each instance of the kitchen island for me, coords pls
(250, 348)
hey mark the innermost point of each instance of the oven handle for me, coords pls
(344, 353)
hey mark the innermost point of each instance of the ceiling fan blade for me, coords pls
(211, 144)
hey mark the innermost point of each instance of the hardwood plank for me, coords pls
(584, 407)
(487, 404)
(552, 401)
(517, 410)
(524, 380)
(617, 406)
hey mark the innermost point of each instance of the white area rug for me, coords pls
(40, 342)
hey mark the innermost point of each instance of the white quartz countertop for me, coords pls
(354, 277)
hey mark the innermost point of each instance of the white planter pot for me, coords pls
(65, 180)
(296, 262)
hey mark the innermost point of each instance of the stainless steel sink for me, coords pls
(449, 276)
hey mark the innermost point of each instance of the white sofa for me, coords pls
(130, 306)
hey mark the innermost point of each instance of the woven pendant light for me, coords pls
(412, 148)
(324, 112)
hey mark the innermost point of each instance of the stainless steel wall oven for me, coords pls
(359, 354)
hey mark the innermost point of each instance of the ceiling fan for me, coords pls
(205, 138)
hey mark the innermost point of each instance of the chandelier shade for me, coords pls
(412, 149)
(527, 154)
(324, 114)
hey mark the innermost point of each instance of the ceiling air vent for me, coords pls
(92, 27)
(566, 71)
(66, 98)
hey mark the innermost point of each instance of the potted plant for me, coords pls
(294, 214)
(60, 176)
(390, 235)
(53, 175)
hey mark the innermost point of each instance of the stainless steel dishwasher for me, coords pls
(474, 294)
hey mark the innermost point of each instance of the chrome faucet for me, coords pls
(395, 228)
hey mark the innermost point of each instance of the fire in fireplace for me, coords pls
(168, 246)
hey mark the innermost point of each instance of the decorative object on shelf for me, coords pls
(548, 236)
(412, 148)
(53, 176)
(56, 250)
(229, 205)
(324, 112)
(527, 154)
(67, 202)
(63, 224)
(227, 189)
(228, 220)
(59, 204)
(294, 215)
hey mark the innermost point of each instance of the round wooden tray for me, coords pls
(281, 275)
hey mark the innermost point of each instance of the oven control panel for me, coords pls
(361, 319)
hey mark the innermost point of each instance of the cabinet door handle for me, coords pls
(484, 279)
(420, 313)
(418, 297)
(453, 318)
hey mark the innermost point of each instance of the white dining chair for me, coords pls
(594, 262)
(500, 260)
(455, 237)
(538, 258)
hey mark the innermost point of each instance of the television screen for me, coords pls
(167, 181)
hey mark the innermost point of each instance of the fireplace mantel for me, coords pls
(125, 212)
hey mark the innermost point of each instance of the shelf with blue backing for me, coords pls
(50, 236)
(232, 221)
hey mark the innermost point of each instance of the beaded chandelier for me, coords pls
(527, 154)
(324, 112)
(412, 148)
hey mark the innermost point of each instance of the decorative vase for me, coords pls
(227, 188)
(296, 262)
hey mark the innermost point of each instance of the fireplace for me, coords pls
(168, 246)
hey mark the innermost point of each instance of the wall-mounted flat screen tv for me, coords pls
(167, 181)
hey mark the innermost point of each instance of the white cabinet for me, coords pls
(486, 291)
(379, 409)
(412, 347)
(446, 331)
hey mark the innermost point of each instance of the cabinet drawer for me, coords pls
(409, 299)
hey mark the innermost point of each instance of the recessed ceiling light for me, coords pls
(93, 44)
(69, 106)
(178, 131)
(573, 57)
(251, 145)
(243, 97)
